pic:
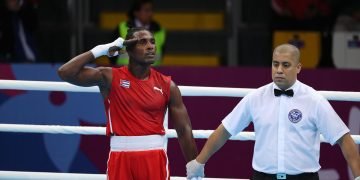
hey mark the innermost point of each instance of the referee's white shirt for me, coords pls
(287, 129)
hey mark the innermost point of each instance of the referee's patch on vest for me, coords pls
(295, 115)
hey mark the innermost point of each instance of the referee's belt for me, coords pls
(137, 143)
(310, 175)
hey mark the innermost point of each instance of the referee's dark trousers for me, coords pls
(303, 176)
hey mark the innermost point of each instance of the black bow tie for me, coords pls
(279, 92)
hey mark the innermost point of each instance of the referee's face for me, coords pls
(285, 69)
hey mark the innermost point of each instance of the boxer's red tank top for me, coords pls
(136, 107)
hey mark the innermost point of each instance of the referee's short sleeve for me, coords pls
(329, 123)
(239, 118)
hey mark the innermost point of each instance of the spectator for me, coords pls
(349, 17)
(18, 22)
(301, 9)
(309, 15)
(141, 15)
(301, 14)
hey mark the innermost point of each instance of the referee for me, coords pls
(288, 118)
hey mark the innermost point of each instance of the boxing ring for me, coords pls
(83, 130)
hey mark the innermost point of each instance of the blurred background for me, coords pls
(198, 33)
(222, 43)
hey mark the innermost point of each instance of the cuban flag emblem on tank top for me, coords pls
(125, 83)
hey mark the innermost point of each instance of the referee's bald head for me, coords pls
(288, 48)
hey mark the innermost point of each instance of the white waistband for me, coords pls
(136, 143)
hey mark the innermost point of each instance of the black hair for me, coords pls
(132, 31)
(136, 6)
(130, 35)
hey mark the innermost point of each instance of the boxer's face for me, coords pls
(144, 51)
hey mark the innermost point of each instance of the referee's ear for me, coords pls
(298, 67)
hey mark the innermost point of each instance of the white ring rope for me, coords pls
(22, 175)
(170, 133)
(185, 90)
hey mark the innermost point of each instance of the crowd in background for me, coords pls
(19, 23)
